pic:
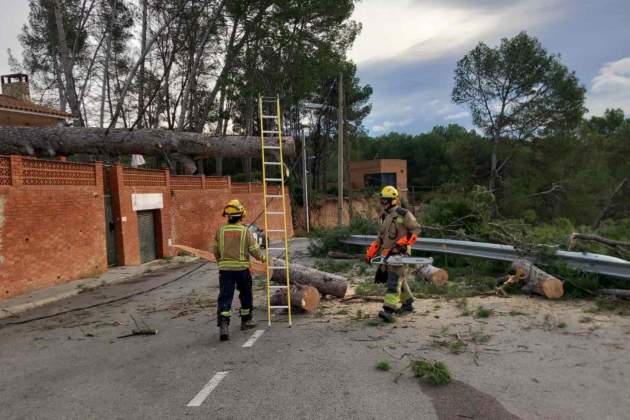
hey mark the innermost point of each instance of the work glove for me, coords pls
(404, 243)
(371, 251)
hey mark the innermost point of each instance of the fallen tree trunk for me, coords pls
(433, 274)
(304, 297)
(326, 283)
(180, 146)
(618, 293)
(535, 280)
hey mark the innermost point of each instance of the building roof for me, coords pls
(9, 102)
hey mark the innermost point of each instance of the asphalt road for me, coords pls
(73, 366)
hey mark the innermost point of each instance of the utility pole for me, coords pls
(340, 152)
(305, 183)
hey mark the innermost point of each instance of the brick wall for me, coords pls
(359, 169)
(51, 223)
(52, 217)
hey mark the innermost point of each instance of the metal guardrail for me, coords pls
(583, 261)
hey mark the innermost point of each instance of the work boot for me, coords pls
(386, 315)
(247, 323)
(406, 308)
(224, 330)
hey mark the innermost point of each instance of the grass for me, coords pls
(479, 337)
(456, 346)
(585, 319)
(516, 312)
(383, 365)
(612, 305)
(342, 312)
(372, 323)
(434, 372)
(482, 312)
(369, 288)
(561, 325)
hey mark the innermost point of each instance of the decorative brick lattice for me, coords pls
(143, 178)
(52, 172)
(5, 170)
(217, 183)
(183, 182)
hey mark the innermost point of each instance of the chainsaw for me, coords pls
(398, 260)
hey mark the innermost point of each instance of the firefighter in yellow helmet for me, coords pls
(398, 231)
(233, 245)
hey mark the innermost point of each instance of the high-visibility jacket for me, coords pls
(233, 245)
(396, 223)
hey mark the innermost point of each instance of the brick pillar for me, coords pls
(120, 218)
(203, 182)
(16, 171)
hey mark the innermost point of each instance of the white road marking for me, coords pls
(253, 338)
(207, 389)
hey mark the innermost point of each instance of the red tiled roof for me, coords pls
(17, 104)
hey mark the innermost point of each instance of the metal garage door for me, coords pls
(146, 231)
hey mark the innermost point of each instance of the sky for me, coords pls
(408, 49)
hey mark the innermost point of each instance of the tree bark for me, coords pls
(183, 147)
(536, 280)
(67, 64)
(143, 47)
(304, 297)
(326, 283)
(433, 274)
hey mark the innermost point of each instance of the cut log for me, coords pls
(180, 146)
(536, 280)
(433, 274)
(326, 283)
(304, 297)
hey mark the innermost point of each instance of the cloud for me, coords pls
(408, 50)
(387, 126)
(420, 30)
(610, 88)
(458, 116)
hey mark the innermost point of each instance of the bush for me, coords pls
(327, 240)
(435, 373)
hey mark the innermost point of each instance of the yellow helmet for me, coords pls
(234, 208)
(389, 192)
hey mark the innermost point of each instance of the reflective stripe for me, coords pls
(233, 264)
(255, 247)
(391, 299)
(243, 243)
(225, 313)
(245, 311)
(221, 240)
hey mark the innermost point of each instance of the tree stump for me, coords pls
(304, 297)
(433, 274)
(535, 280)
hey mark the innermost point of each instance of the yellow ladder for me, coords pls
(273, 173)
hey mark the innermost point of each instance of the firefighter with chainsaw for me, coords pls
(398, 231)
(233, 245)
